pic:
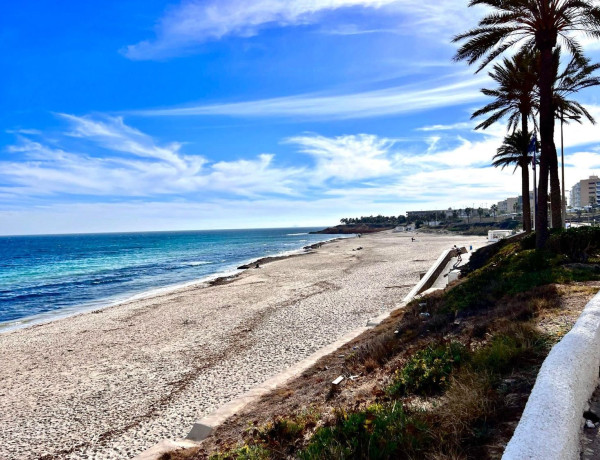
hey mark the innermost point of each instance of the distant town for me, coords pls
(584, 200)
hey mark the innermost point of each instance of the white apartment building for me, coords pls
(586, 192)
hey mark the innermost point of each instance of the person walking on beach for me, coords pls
(458, 254)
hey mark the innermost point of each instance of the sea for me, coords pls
(50, 276)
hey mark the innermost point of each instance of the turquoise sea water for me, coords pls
(51, 275)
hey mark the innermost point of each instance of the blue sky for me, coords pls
(154, 115)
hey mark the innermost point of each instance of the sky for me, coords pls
(206, 114)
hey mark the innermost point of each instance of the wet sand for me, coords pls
(110, 384)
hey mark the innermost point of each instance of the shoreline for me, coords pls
(214, 279)
(110, 385)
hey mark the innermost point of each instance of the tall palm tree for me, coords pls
(514, 151)
(575, 76)
(494, 210)
(538, 24)
(515, 98)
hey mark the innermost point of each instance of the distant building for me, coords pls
(508, 206)
(586, 192)
(412, 216)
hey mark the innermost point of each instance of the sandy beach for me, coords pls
(111, 383)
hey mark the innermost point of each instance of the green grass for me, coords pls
(513, 271)
(427, 372)
(245, 452)
(379, 432)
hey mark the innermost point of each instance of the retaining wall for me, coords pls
(550, 427)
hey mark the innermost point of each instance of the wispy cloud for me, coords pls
(130, 163)
(452, 127)
(388, 101)
(193, 22)
(147, 184)
(348, 158)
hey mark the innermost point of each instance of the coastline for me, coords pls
(214, 279)
(110, 385)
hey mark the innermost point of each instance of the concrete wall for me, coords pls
(550, 426)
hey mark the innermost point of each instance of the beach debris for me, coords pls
(589, 424)
(424, 315)
(354, 377)
(337, 381)
(396, 331)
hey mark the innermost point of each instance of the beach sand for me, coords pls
(110, 384)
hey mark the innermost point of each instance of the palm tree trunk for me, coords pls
(555, 193)
(546, 134)
(525, 179)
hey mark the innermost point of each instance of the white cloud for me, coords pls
(452, 127)
(193, 21)
(142, 168)
(342, 175)
(389, 101)
(348, 158)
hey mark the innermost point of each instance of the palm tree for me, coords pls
(494, 210)
(480, 212)
(576, 75)
(514, 98)
(539, 24)
(512, 152)
(468, 212)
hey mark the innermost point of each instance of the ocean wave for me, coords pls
(296, 234)
(195, 263)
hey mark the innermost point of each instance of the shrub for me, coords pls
(245, 452)
(379, 432)
(428, 370)
(576, 243)
(504, 350)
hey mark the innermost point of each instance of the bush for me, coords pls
(428, 370)
(502, 353)
(576, 243)
(245, 452)
(379, 432)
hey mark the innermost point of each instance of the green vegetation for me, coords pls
(245, 452)
(379, 220)
(515, 270)
(472, 399)
(382, 431)
(427, 372)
